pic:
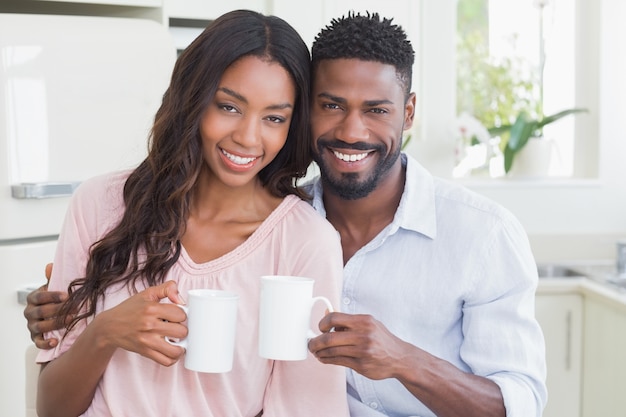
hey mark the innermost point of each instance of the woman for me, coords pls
(212, 206)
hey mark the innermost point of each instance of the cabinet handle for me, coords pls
(568, 341)
(43, 190)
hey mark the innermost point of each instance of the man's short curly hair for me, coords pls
(368, 38)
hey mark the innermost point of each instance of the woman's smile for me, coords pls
(238, 163)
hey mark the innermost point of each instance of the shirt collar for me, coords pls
(417, 209)
(416, 212)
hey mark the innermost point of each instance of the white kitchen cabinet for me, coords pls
(133, 3)
(306, 17)
(561, 318)
(21, 266)
(605, 359)
(136, 9)
(209, 9)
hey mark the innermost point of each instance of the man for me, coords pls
(438, 294)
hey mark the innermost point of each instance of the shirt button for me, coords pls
(374, 405)
(346, 300)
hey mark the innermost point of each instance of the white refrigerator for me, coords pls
(77, 98)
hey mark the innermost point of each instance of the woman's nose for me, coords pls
(247, 133)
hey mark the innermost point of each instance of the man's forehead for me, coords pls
(353, 78)
(373, 68)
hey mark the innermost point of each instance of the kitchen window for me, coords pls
(511, 31)
(520, 56)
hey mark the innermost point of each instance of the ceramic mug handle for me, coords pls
(181, 342)
(311, 334)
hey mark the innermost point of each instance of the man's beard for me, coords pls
(349, 186)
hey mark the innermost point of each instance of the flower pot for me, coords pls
(533, 160)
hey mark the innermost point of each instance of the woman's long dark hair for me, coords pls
(157, 193)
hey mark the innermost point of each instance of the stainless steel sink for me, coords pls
(618, 281)
(557, 271)
(605, 274)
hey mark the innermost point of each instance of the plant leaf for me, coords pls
(508, 158)
(553, 118)
(496, 131)
(521, 131)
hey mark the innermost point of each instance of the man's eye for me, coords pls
(379, 111)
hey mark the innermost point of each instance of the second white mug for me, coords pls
(285, 316)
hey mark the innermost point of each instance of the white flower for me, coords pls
(468, 127)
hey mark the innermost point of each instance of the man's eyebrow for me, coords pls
(244, 100)
(375, 103)
(367, 103)
(332, 98)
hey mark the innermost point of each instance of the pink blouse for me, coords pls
(293, 240)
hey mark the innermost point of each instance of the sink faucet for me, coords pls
(621, 258)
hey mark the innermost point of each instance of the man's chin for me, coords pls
(347, 190)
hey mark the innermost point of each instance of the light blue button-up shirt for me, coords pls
(454, 275)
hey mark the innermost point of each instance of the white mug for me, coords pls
(285, 316)
(211, 324)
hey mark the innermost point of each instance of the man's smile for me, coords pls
(350, 157)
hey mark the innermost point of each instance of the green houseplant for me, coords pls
(515, 136)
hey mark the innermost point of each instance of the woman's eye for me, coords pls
(276, 119)
(228, 108)
(331, 106)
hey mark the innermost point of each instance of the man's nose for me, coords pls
(352, 128)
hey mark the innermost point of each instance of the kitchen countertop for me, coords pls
(593, 282)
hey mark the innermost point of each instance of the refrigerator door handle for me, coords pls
(22, 293)
(43, 190)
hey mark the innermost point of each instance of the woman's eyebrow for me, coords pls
(241, 98)
(233, 94)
